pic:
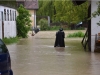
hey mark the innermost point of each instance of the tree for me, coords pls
(63, 11)
(66, 11)
(46, 8)
(23, 22)
(9, 3)
(43, 24)
(97, 13)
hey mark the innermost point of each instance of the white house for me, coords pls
(95, 29)
(7, 22)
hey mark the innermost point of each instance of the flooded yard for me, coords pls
(36, 55)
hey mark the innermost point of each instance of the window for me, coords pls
(15, 15)
(5, 14)
(2, 15)
(8, 15)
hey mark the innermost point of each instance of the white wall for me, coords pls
(0, 27)
(95, 29)
(9, 29)
(9, 24)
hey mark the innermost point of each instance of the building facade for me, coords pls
(31, 6)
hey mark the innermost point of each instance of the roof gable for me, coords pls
(28, 4)
(31, 4)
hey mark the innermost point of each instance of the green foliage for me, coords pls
(63, 11)
(23, 22)
(54, 27)
(46, 8)
(80, 28)
(66, 11)
(76, 34)
(97, 13)
(9, 3)
(43, 24)
(11, 40)
(57, 28)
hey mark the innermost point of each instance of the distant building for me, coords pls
(32, 6)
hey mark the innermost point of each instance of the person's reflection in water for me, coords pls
(59, 41)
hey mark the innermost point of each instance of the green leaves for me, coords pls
(97, 13)
(9, 3)
(43, 24)
(76, 34)
(63, 11)
(23, 22)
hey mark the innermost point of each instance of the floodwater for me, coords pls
(37, 56)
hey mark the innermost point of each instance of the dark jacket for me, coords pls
(59, 41)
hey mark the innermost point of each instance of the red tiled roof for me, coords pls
(31, 4)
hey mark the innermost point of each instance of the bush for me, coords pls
(54, 27)
(43, 24)
(10, 40)
(77, 34)
(23, 22)
(80, 28)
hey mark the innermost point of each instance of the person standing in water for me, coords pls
(59, 41)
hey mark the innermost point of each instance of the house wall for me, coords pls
(33, 18)
(0, 26)
(9, 29)
(8, 22)
(95, 29)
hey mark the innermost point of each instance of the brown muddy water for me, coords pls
(37, 56)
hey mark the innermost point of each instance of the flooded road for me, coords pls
(37, 56)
